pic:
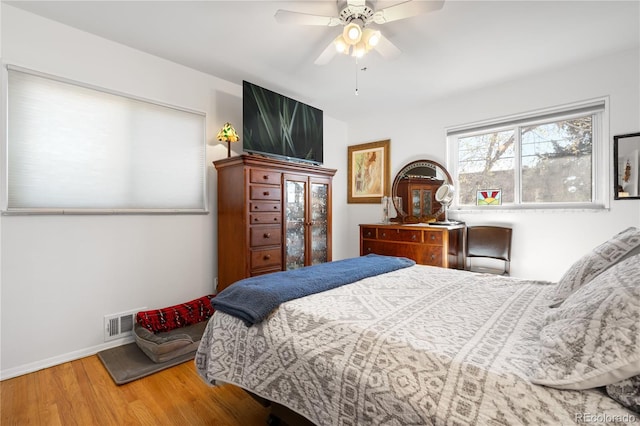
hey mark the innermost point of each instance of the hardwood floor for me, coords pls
(81, 392)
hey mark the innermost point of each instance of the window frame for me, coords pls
(6, 209)
(600, 154)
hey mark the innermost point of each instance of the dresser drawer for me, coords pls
(264, 218)
(431, 255)
(433, 237)
(411, 251)
(266, 258)
(265, 235)
(408, 235)
(264, 192)
(265, 176)
(264, 207)
(369, 233)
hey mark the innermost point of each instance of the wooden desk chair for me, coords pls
(488, 249)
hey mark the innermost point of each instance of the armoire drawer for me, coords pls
(265, 235)
(266, 258)
(265, 176)
(265, 218)
(264, 192)
(258, 206)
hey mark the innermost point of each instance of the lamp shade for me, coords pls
(228, 134)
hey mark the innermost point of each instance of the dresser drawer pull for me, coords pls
(433, 257)
(369, 249)
(433, 237)
(267, 235)
(266, 257)
(384, 234)
(413, 237)
(369, 234)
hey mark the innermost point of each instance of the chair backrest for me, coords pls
(489, 242)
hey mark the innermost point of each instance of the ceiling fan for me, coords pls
(355, 16)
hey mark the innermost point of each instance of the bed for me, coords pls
(424, 345)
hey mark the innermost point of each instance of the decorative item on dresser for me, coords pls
(427, 245)
(273, 215)
(228, 134)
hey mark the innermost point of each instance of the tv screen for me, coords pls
(276, 125)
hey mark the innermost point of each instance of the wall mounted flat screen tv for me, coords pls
(276, 125)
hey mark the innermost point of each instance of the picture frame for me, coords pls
(368, 172)
(489, 197)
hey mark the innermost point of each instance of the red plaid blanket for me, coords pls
(177, 316)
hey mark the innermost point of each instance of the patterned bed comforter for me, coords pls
(418, 346)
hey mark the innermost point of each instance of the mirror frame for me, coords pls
(626, 151)
(402, 216)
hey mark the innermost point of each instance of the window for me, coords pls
(542, 160)
(73, 148)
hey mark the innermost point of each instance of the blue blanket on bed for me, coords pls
(252, 299)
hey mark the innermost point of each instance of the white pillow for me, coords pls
(593, 338)
(620, 246)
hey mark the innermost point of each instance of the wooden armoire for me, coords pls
(273, 215)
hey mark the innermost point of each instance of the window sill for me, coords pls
(565, 208)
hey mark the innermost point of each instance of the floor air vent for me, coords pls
(117, 326)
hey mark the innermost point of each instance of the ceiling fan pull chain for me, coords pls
(356, 76)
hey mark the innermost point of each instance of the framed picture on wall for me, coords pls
(368, 172)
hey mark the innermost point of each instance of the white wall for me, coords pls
(61, 274)
(545, 243)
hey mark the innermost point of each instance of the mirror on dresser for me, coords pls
(414, 192)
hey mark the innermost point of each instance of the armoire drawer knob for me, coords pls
(266, 257)
(267, 235)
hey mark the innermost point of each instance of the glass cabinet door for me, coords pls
(319, 223)
(295, 202)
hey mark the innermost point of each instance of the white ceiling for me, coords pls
(464, 46)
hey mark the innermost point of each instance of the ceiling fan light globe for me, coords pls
(372, 37)
(359, 50)
(340, 44)
(352, 33)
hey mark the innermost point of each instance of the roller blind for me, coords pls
(74, 148)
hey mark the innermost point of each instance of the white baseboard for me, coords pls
(61, 359)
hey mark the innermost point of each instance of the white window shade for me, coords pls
(74, 148)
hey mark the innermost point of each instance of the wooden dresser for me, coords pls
(427, 245)
(273, 215)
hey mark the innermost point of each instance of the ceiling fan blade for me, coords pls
(387, 49)
(327, 55)
(406, 10)
(358, 3)
(289, 17)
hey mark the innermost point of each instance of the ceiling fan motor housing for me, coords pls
(362, 14)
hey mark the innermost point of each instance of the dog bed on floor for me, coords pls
(164, 346)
